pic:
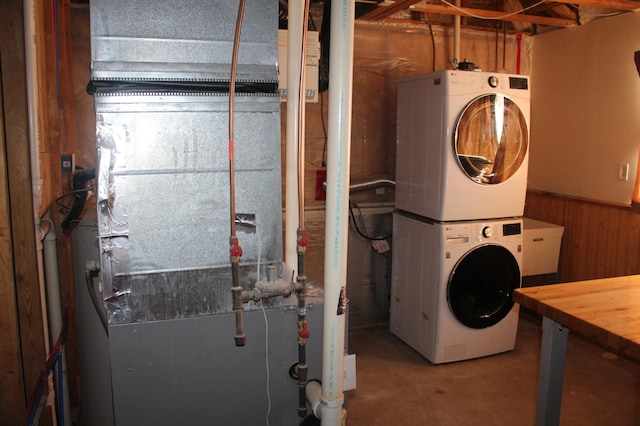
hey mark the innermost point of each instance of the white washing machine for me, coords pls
(462, 145)
(452, 286)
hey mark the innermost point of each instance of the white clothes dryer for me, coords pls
(462, 145)
(452, 286)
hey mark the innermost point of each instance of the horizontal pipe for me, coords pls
(371, 184)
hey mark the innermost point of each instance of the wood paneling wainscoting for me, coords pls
(599, 240)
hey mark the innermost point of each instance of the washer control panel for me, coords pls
(463, 233)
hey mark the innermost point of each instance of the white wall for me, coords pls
(585, 118)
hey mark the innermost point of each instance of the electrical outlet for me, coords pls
(623, 171)
(349, 382)
(66, 162)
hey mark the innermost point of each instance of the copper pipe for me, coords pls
(232, 96)
(236, 250)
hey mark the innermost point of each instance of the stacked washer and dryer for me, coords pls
(462, 155)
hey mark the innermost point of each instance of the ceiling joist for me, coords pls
(626, 5)
(495, 15)
(556, 13)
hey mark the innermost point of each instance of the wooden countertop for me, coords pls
(605, 311)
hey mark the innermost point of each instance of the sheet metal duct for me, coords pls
(182, 40)
(160, 74)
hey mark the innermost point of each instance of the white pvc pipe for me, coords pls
(294, 44)
(337, 214)
(31, 69)
(54, 306)
(456, 36)
(313, 392)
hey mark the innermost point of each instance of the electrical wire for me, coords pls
(69, 194)
(466, 12)
(89, 276)
(362, 232)
(266, 358)
(54, 356)
(60, 388)
(324, 127)
(433, 41)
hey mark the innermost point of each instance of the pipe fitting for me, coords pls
(237, 296)
(314, 397)
(303, 240)
(302, 385)
(266, 290)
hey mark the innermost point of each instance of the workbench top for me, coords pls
(605, 311)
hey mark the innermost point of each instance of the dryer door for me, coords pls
(490, 139)
(481, 285)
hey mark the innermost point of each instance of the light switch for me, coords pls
(623, 171)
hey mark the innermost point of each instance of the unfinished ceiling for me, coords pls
(511, 15)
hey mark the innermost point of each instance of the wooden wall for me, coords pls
(599, 240)
(22, 352)
(23, 337)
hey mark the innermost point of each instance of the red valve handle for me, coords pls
(236, 250)
(304, 331)
(303, 241)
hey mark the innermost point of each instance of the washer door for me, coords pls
(491, 139)
(480, 288)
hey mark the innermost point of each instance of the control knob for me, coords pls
(487, 232)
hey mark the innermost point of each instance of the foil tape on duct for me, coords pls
(163, 201)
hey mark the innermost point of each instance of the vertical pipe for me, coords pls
(295, 17)
(31, 66)
(519, 52)
(336, 223)
(54, 306)
(303, 241)
(235, 250)
(456, 36)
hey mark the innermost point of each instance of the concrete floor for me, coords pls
(397, 386)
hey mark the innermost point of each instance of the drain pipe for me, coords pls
(54, 306)
(337, 215)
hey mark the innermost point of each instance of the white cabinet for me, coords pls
(541, 247)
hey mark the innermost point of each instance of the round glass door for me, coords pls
(480, 288)
(491, 139)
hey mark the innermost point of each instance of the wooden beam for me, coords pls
(24, 279)
(628, 5)
(495, 15)
(12, 399)
(382, 12)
